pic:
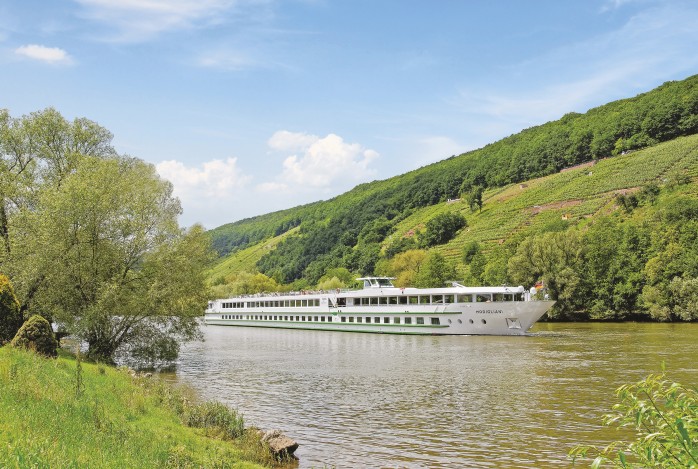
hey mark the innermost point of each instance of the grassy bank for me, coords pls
(61, 413)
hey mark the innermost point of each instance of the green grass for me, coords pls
(114, 421)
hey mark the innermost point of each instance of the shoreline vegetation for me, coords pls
(65, 412)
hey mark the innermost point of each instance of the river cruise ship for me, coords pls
(381, 307)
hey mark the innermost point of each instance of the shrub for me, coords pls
(36, 334)
(10, 315)
(665, 416)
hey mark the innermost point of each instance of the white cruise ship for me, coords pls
(383, 308)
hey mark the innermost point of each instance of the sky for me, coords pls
(253, 106)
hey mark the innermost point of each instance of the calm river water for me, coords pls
(368, 400)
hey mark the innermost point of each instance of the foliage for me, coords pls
(344, 231)
(442, 228)
(117, 421)
(215, 416)
(404, 267)
(10, 316)
(475, 198)
(435, 271)
(665, 416)
(36, 335)
(91, 238)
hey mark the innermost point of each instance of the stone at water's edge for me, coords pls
(279, 444)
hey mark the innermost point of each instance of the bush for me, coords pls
(442, 228)
(10, 315)
(36, 335)
(665, 416)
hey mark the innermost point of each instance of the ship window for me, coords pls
(377, 320)
(368, 319)
(304, 303)
(344, 319)
(408, 320)
(435, 321)
(469, 320)
(498, 297)
(316, 319)
(402, 300)
(322, 318)
(298, 318)
(464, 298)
(285, 318)
(449, 321)
(374, 300)
(424, 300)
(383, 300)
(448, 298)
(413, 300)
(359, 319)
(420, 320)
(483, 321)
(480, 298)
(386, 320)
(303, 318)
(437, 299)
(396, 320)
(392, 300)
(351, 319)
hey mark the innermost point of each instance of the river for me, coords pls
(370, 400)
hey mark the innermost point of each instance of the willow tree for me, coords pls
(93, 239)
(119, 272)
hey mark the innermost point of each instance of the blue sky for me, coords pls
(251, 106)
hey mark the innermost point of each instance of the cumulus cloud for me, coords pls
(137, 20)
(52, 55)
(321, 163)
(205, 190)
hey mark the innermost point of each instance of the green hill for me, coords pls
(628, 161)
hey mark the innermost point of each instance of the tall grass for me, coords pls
(115, 420)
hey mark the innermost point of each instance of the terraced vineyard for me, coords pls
(574, 194)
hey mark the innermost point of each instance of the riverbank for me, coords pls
(61, 413)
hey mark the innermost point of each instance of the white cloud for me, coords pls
(324, 163)
(283, 140)
(206, 190)
(138, 20)
(52, 55)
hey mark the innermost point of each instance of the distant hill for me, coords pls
(356, 229)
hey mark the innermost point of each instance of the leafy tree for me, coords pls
(434, 272)
(442, 228)
(469, 251)
(10, 316)
(405, 266)
(475, 198)
(477, 267)
(556, 259)
(36, 335)
(117, 270)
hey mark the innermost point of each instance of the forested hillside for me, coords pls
(480, 217)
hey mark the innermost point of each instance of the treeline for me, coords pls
(626, 265)
(348, 230)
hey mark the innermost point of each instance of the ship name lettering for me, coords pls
(489, 311)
